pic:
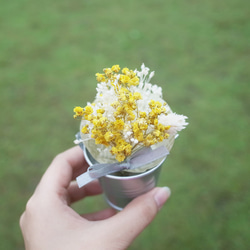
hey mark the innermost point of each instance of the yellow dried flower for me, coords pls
(142, 114)
(100, 111)
(125, 71)
(142, 124)
(85, 129)
(119, 124)
(100, 77)
(124, 79)
(156, 133)
(137, 96)
(120, 157)
(108, 136)
(135, 126)
(139, 136)
(133, 81)
(115, 68)
(127, 150)
(88, 110)
(130, 116)
(108, 72)
(78, 111)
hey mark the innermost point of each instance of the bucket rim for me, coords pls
(90, 160)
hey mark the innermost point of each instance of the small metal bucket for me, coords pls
(120, 190)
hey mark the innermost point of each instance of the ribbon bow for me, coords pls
(140, 158)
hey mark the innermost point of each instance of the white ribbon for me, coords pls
(140, 158)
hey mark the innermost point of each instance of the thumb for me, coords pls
(138, 214)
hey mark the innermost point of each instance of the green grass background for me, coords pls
(49, 53)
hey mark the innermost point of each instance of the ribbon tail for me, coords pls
(99, 170)
(84, 179)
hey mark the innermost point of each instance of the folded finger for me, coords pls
(65, 167)
(100, 215)
(75, 193)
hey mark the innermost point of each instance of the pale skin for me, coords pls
(49, 223)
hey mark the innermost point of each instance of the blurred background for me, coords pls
(49, 54)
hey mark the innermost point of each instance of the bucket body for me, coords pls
(120, 190)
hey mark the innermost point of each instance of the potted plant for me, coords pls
(126, 133)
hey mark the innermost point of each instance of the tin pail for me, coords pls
(120, 190)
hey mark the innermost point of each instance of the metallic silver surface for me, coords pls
(120, 190)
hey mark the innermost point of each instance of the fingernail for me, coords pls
(161, 196)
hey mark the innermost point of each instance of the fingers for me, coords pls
(138, 214)
(75, 193)
(65, 167)
(101, 215)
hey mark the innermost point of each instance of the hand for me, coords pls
(50, 223)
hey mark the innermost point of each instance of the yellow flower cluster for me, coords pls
(127, 78)
(78, 112)
(129, 128)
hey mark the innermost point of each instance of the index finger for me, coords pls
(63, 169)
